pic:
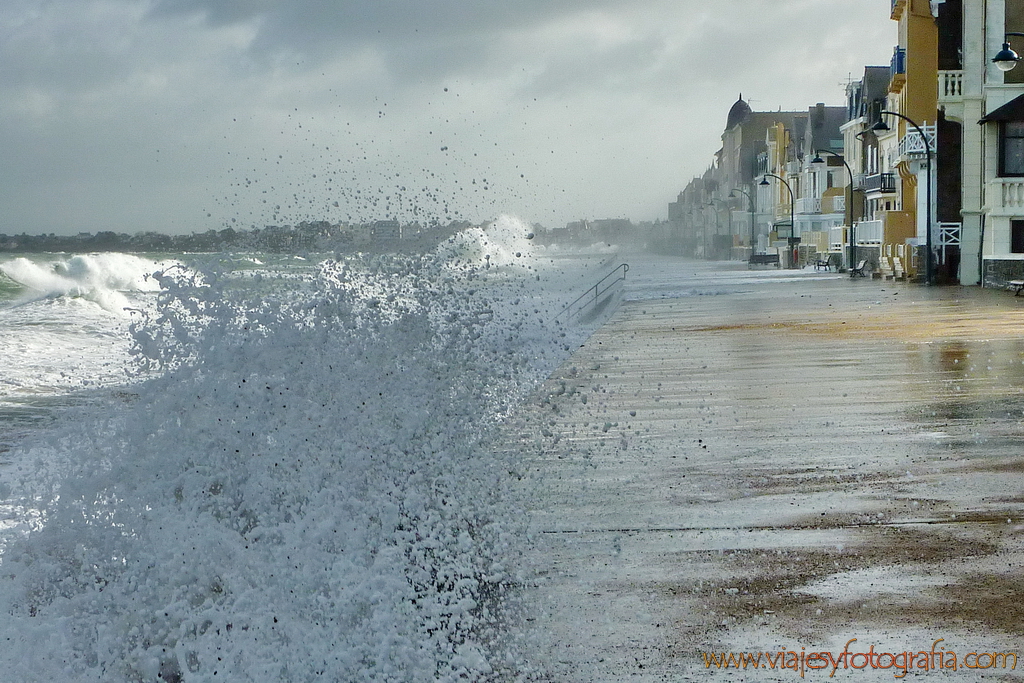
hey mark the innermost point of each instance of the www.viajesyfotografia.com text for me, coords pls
(938, 658)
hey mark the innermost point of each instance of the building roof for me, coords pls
(824, 127)
(739, 113)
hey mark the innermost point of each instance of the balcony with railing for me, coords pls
(949, 234)
(913, 144)
(884, 183)
(837, 238)
(897, 69)
(1006, 193)
(869, 232)
(951, 86)
(835, 203)
(807, 205)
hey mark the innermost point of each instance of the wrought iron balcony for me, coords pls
(880, 182)
(897, 69)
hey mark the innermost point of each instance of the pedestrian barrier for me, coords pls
(597, 296)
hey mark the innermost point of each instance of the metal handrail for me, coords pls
(596, 289)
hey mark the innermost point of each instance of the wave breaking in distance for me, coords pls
(312, 487)
(97, 277)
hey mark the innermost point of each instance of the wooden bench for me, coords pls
(825, 262)
(1017, 286)
(859, 270)
(764, 260)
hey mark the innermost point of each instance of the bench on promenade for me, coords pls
(764, 260)
(824, 262)
(859, 270)
(1017, 286)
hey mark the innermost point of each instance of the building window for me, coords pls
(1011, 148)
(1017, 237)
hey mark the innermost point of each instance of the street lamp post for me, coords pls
(714, 209)
(701, 210)
(792, 225)
(750, 199)
(881, 126)
(849, 201)
(696, 211)
(1006, 58)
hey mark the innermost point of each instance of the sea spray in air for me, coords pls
(310, 488)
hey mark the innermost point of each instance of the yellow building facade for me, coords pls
(898, 215)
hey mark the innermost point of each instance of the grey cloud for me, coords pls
(576, 107)
(318, 27)
(216, 12)
(291, 19)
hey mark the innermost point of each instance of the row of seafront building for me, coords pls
(944, 178)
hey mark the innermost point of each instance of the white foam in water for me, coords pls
(98, 277)
(67, 328)
(310, 490)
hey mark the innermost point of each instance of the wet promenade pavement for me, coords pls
(751, 461)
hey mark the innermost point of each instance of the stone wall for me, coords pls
(1000, 271)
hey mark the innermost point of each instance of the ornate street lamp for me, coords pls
(792, 225)
(881, 126)
(849, 201)
(1006, 58)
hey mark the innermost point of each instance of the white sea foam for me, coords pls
(66, 329)
(504, 242)
(312, 489)
(102, 278)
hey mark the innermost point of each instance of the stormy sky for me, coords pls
(187, 115)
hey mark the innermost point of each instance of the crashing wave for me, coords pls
(312, 487)
(101, 278)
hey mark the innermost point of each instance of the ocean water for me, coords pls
(63, 331)
(271, 467)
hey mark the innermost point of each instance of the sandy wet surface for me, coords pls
(761, 462)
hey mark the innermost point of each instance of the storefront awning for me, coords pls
(1011, 111)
